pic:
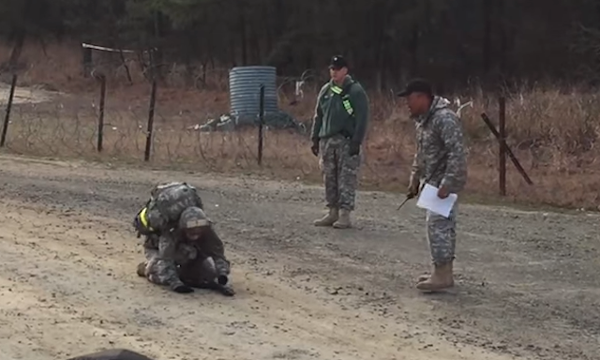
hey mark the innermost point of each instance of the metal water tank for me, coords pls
(244, 91)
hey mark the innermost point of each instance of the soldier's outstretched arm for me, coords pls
(451, 133)
(213, 247)
(216, 249)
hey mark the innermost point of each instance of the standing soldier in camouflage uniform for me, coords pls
(338, 130)
(441, 161)
(189, 256)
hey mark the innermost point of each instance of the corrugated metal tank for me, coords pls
(244, 91)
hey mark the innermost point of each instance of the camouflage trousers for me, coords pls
(441, 236)
(165, 271)
(340, 172)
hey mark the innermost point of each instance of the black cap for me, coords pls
(416, 85)
(338, 62)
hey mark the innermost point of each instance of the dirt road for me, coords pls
(527, 282)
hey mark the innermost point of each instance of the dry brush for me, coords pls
(552, 132)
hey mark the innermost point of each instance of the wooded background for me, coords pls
(454, 43)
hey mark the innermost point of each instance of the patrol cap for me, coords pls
(416, 86)
(193, 217)
(338, 62)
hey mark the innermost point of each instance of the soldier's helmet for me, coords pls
(193, 222)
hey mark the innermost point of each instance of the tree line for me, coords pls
(387, 41)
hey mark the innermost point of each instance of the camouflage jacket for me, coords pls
(441, 157)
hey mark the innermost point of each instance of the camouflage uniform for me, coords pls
(156, 221)
(183, 264)
(339, 128)
(339, 172)
(441, 159)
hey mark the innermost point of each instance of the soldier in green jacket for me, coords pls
(338, 131)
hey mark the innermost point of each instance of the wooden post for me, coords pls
(101, 116)
(509, 152)
(150, 122)
(11, 96)
(261, 124)
(87, 61)
(502, 143)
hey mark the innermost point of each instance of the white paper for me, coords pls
(430, 201)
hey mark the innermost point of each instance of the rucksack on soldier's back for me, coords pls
(166, 203)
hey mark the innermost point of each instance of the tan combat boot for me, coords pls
(344, 220)
(424, 277)
(328, 219)
(141, 269)
(441, 278)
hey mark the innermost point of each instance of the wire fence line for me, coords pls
(69, 125)
(79, 126)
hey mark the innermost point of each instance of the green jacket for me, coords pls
(332, 118)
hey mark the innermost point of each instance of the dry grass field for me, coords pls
(552, 132)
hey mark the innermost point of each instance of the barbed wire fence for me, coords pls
(95, 127)
(157, 130)
(91, 127)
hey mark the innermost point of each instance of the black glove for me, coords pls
(182, 289)
(315, 147)
(354, 148)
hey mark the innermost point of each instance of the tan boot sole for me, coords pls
(428, 286)
(342, 226)
(324, 223)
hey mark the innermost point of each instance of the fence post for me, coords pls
(509, 152)
(260, 124)
(502, 143)
(13, 85)
(101, 116)
(87, 61)
(150, 128)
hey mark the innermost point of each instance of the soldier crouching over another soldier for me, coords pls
(192, 256)
(182, 254)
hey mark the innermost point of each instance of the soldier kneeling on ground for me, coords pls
(182, 254)
(192, 256)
